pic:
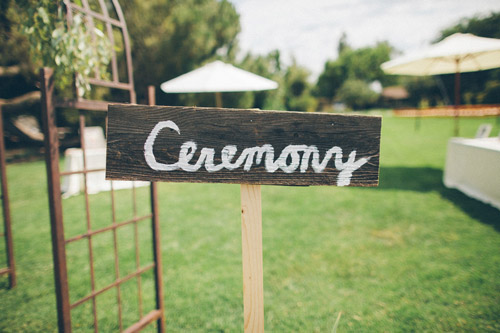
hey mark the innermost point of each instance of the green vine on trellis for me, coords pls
(77, 49)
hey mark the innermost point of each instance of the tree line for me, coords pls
(170, 38)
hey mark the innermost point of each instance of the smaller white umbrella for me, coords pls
(217, 77)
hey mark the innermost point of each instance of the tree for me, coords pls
(170, 38)
(356, 94)
(364, 63)
(356, 65)
(13, 45)
(331, 79)
(298, 95)
(268, 66)
(16, 72)
(485, 26)
(425, 91)
(343, 45)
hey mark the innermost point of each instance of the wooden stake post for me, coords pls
(253, 271)
(247, 147)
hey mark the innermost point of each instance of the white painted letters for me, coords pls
(291, 158)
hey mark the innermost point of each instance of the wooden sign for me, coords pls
(188, 144)
(248, 147)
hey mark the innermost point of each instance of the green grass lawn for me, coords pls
(407, 256)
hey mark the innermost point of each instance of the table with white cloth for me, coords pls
(95, 159)
(473, 167)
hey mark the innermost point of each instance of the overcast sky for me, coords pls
(310, 29)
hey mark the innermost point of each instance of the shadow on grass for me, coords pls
(431, 179)
(4, 283)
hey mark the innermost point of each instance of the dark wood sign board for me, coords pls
(211, 145)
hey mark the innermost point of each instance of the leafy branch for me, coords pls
(74, 52)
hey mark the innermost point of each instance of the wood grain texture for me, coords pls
(129, 127)
(253, 272)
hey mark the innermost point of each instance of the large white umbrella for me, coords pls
(217, 77)
(457, 54)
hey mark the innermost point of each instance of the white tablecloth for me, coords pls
(96, 182)
(473, 167)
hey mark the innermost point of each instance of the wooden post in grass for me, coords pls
(253, 272)
(247, 147)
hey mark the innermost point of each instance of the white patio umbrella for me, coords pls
(457, 54)
(217, 77)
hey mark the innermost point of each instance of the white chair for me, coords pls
(483, 131)
(95, 159)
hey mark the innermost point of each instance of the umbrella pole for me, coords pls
(457, 99)
(218, 99)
